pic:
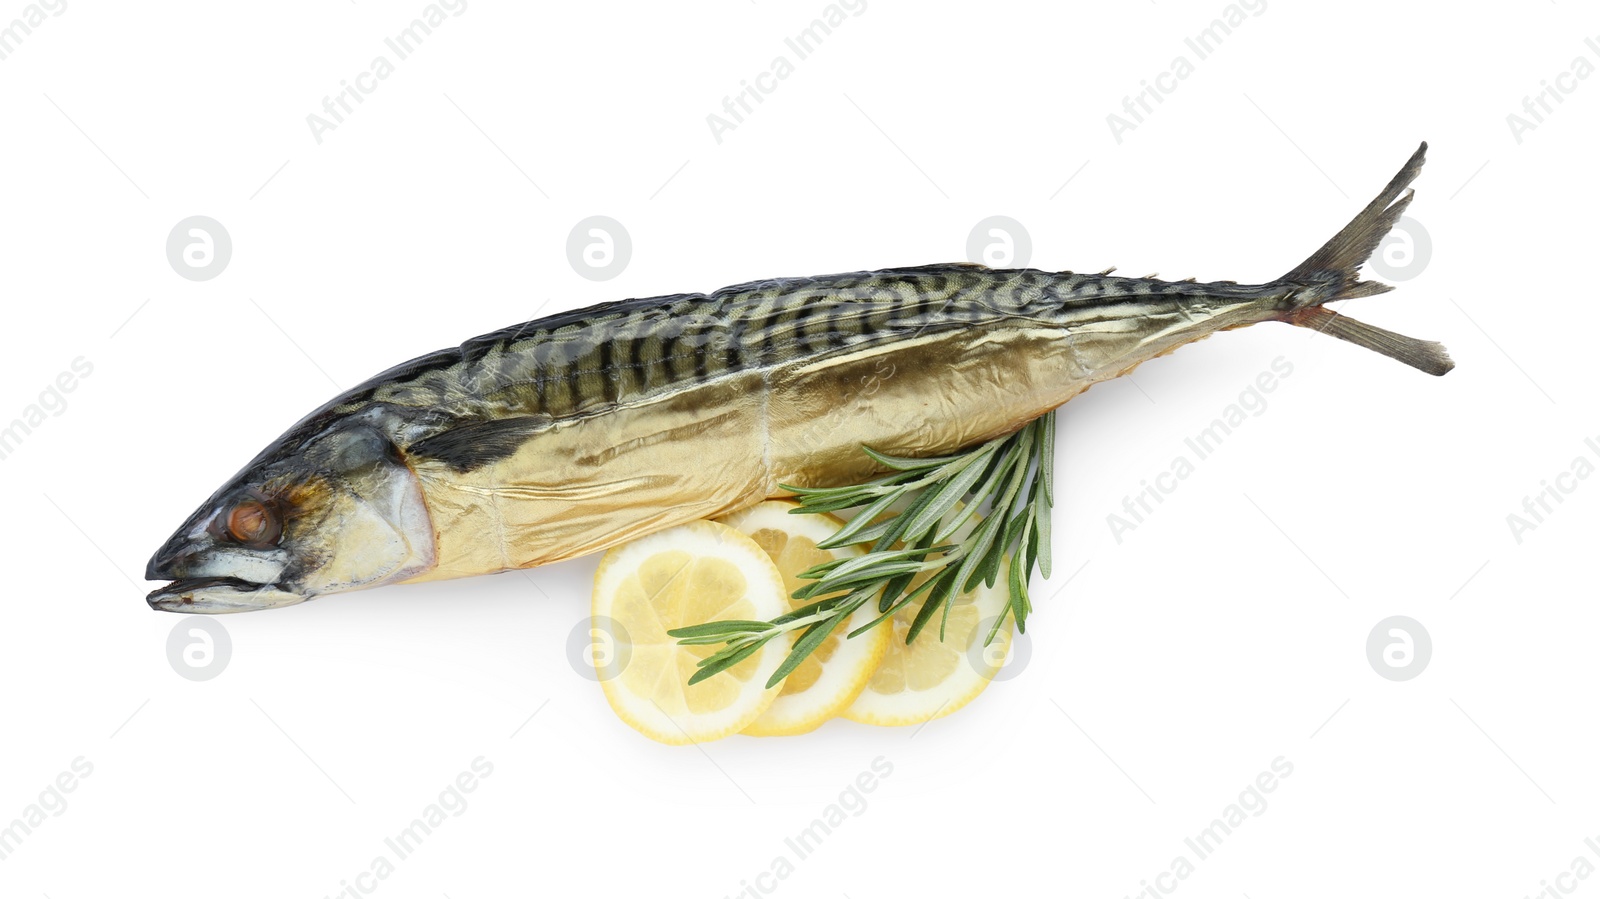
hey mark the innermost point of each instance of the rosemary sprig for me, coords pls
(1009, 479)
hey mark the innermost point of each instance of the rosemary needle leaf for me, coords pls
(859, 523)
(727, 658)
(945, 496)
(1041, 531)
(877, 535)
(970, 573)
(873, 576)
(711, 628)
(897, 526)
(892, 589)
(1047, 458)
(829, 504)
(841, 567)
(943, 590)
(906, 463)
(1019, 592)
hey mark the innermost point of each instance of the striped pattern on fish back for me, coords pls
(590, 360)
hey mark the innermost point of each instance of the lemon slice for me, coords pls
(836, 671)
(931, 678)
(690, 574)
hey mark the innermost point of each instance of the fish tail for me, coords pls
(1332, 273)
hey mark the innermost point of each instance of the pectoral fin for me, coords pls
(474, 444)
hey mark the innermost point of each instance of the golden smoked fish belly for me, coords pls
(572, 433)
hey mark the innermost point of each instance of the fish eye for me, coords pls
(253, 523)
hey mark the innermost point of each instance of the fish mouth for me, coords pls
(220, 596)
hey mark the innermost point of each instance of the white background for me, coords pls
(1227, 630)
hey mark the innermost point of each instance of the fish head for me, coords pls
(337, 511)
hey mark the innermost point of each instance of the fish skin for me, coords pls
(578, 431)
(727, 396)
(597, 359)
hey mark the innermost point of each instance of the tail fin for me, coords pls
(1332, 273)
